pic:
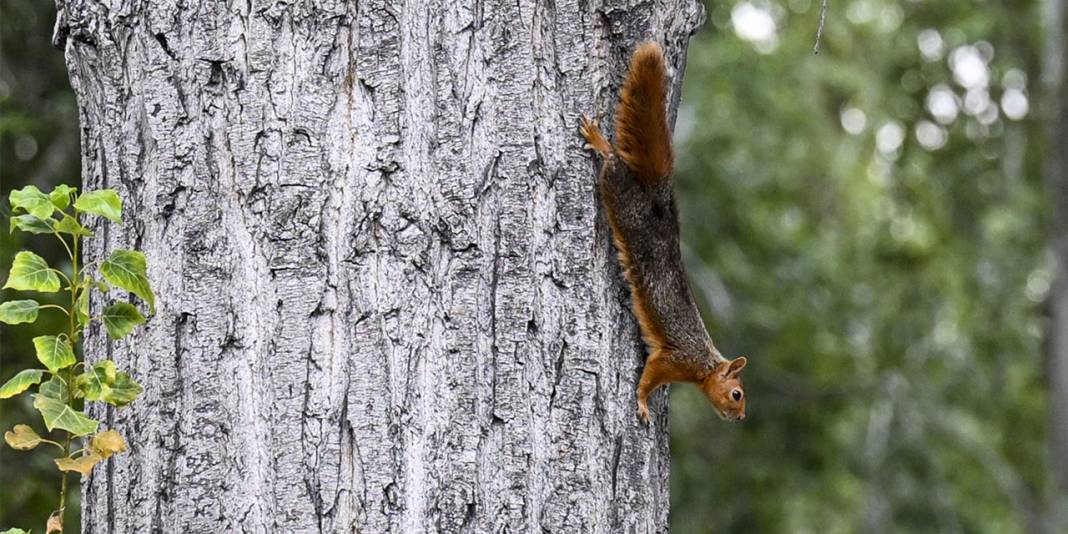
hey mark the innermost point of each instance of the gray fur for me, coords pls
(647, 217)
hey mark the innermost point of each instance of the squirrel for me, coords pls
(636, 190)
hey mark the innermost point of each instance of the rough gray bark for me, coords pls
(1056, 105)
(387, 299)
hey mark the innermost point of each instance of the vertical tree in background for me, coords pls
(386, 298)
(1057, 182)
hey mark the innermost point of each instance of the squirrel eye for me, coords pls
(736, 394)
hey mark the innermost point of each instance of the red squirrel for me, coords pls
(635, 185)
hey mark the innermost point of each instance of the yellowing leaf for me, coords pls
(107, 443)
(19, 311)
(55, 523)
(105, 203)
(55, 352)
(81, 464)
(30, 272)
(20, 382)
(22, 438)
(15, 531)
(103, 382)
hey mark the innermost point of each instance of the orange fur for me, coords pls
(594, 138)
(643, 140)
(662, 367)
(719, 386)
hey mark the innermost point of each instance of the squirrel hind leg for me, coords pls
(594, 138)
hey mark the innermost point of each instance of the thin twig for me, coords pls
(819, 30)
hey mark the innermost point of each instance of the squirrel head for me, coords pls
(723, 387)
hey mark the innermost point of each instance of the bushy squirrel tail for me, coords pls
(643, 139)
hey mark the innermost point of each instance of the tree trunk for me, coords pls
(387, 299)
(1057, 183)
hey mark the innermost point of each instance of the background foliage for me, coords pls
(38, 145)
(879, 259)
(868, 226)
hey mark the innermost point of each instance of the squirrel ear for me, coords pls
(736, 365)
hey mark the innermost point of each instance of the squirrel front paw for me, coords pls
(643, 412)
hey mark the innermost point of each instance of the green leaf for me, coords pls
(96, 382)
(22, 438)
(81, 309)
(58, 415)
(55, 388)
(126, 269)
(60, 196)
(15, 531)
(120, 319)
(33, 201)
(82, 464)
(30, 272)
(31, 224)
(19, 311)
(70, 225)
(20, 382)
(81, 384)
(106, 384)
(123, 391)
(55, 352)
(105, 203)
(105, 369)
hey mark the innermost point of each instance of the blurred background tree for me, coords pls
(869, 225)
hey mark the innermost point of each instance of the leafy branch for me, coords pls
(60, 388)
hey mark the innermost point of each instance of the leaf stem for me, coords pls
(70, 371)
(56, 306)
(64, 241)
(63, 485)
(43, 440)
(64, 275)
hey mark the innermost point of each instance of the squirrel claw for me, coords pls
(643, 413)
